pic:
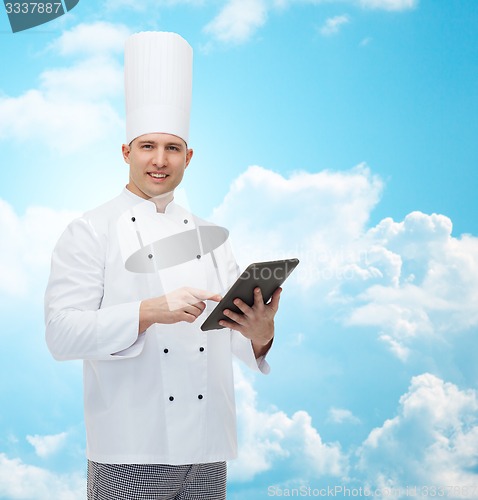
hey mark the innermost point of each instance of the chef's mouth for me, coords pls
(157, 175)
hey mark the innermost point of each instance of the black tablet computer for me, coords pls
(268, 276)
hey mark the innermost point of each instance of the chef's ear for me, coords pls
(189, 155)
(125, 149)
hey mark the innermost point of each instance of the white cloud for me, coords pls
(129, 4)
(267, 437)
(238, 21)
(315, 217)
(392, 5)
(47, 445)
(22, 481)
(432, 440)
(26, 246)
(433, 288)
(412, 280)
(341, 415)
(65, 126)
(92, 80)
(148, 4)
(366, 41)
(92, 39)
(72, 107)
(398, 349)
(333, 25)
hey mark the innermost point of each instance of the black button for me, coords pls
(166, 351)
(185, 221)
(171, 398)
(201, 349)
(133, 218)
(150, 256)
(200, 396)
(198, 256)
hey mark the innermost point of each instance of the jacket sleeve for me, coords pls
(240, 345)
(77, 327)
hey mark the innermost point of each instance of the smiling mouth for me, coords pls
(157, 175)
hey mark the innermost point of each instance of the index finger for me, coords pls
(204, 294)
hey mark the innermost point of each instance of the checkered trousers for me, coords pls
(156, 481)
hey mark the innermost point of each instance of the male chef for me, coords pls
(128, 285)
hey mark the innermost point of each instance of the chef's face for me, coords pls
(156, 164)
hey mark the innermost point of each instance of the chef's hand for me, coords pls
(183, 304)
(257, 322)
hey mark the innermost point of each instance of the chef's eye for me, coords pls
(146, 146)
(173, 147)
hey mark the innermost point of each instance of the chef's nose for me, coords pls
(160, 158)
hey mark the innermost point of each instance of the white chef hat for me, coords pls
(158, 84)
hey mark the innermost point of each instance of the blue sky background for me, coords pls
(342, 132)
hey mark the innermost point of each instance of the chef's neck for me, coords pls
(162, 201)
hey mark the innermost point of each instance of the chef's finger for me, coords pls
(204, 294)
(237, 318)
(274, 302)
(232, 325)
(199, 305)
(195, 309)
(216, 297)
(244, 308)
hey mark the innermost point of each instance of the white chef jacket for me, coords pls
(164, 396)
